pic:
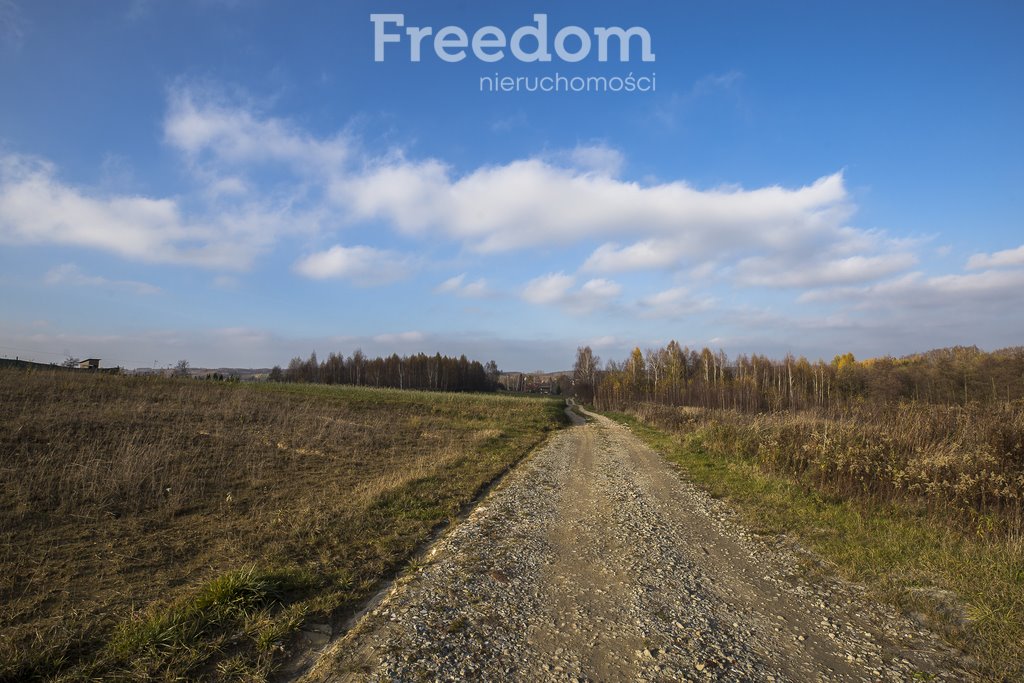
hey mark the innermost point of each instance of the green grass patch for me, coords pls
(242, 610)
(968, 587)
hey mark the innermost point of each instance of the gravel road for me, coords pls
(595, 560)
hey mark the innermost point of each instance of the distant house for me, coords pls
(89, 364)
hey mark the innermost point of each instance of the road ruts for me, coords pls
(595, 560)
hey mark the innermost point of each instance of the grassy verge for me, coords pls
(968, 586)
(178, 529)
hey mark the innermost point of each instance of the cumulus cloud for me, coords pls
(528, 203)
(557, 289)
(992, 289)
(601, 288)
(548, 289)
(672, 303)
(38, 208)
(760, 271)
(646, 255)
(331, 182)
(476, 289)
(452, 284)
(200, 121)
(71, 275)
(261, 178)
(362, 265)
(999, 259)
(458, 286)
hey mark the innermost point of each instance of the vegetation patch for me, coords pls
(954, 566)
(173, 528)
(241, 610)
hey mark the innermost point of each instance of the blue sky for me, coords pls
(236, 183)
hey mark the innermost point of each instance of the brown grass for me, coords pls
(965, 461)
(164, 528)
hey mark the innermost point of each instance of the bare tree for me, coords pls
(492, 372)
(584, 374)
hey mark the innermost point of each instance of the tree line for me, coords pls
(420, 371)
(676, 375)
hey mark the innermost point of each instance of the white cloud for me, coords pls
(260, 179)
(548, 289)
(452, 284)
(760, 271)
(999, 259)
(400, 337)
(905, 314)
(362, 265)
(70, 275)
(200, 121)
(531, 203)
(966, 293)
(556, 289)
(646, 255)
(1002, 290)
(331, 182)
(459, 287)
(599, 159)
(600, 289)
(672, 303)
(229, 186)
(476, 289)
(37, 208)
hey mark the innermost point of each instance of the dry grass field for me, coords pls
(161, 528)
(965, 461)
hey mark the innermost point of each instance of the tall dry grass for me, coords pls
(966, 460)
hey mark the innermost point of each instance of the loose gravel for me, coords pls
(595, 561)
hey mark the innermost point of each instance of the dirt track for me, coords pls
(595, 560)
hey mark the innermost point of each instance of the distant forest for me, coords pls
(680, 376)
(433, 373)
